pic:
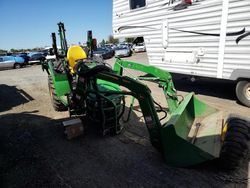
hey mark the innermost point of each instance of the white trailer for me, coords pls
(208, 38)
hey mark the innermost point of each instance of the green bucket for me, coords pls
(193, 133)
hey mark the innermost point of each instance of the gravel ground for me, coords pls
(35, 153)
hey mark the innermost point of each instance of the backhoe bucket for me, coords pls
(193, 133)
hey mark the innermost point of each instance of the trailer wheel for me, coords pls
(243, 92)
(57, 104)
(235, 144)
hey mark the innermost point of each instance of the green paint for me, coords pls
(61, 84)
(164, 78)
(177, 150)
(171, 139)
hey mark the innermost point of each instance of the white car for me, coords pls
(122, 51)
(50, 53)
(140, 47)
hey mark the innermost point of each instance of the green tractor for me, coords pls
(192, 133)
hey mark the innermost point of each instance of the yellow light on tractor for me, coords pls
(74, 54)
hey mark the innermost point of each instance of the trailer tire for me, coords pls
(243, 92)
(57, 104)
(235, 144)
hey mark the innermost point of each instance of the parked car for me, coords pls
(140, 47)
(103, 52)
(36, 57)
(110, 49)
(44, 52)
(110, 45)
(24, 56)
(49, 52)
(122, 51)
(11, 62)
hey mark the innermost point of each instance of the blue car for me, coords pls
(36, 57)
(11, 62)
(24, 56)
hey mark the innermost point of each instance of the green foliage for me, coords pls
(3, 51)
(112, 40)
(129, 40)
(12, 50)
(103, 42)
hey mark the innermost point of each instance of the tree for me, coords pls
(103, 42)
(3, 51)
(129, 40)
(111, 39)
(12, 50)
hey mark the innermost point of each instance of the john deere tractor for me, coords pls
(193, 132)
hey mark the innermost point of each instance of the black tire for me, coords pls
(57, 104)
(243, 92)
(235, 145)
(17, 66)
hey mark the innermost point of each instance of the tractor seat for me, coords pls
(74, 54)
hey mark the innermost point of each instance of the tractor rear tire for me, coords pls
(235, 145)
(57, 104)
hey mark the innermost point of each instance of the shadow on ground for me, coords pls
(209, 87)
(10, 97)
(34, 153)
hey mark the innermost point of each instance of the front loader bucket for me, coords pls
(193, 133)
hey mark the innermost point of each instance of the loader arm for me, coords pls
(175, 133)
(142, 93)
(164, 79)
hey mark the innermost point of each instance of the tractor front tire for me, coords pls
(235, 145)
(57, 104)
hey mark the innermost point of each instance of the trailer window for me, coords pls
(135, 4)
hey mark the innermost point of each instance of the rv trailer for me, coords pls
(207, 38)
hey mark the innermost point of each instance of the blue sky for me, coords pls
(29, 23)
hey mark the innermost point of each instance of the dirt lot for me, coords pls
(35, 153)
